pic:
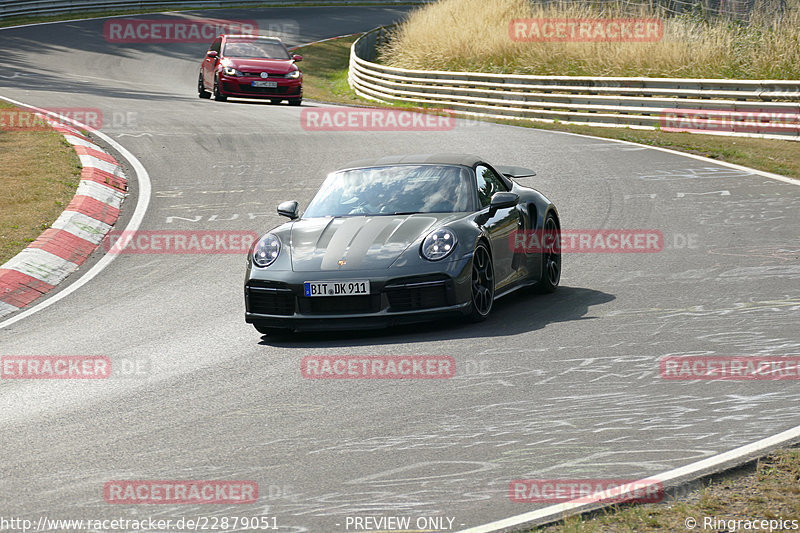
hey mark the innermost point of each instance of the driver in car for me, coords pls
(369, 201)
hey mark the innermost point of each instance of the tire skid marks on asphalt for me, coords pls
(76, 233)
(531, 435)
(694, 173)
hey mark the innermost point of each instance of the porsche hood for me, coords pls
(358, 242)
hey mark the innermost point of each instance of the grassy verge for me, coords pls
(325, 79)
(39, 173)
(476, 36)
(770, 492)
(325, 71)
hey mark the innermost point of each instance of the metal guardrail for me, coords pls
(752, 108)
(17, 8)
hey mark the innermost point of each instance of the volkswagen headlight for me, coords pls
(230, 71)
(293, 74)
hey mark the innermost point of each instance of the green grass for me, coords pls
(325, 71)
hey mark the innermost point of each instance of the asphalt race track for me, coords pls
(560, 386)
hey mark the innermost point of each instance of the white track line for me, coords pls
(143, 180)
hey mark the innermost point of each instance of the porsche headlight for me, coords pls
(230, 71)
(293, 74)
(438, 244)
(266, 250)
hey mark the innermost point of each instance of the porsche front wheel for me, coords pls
(482, 283)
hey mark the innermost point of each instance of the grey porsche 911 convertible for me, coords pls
(401, 239)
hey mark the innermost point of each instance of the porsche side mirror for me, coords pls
(297, 58)
(288, 209)
(503, 200)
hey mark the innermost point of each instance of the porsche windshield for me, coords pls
(255, 49)
(392, 190)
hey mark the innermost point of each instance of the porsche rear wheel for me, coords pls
(482, 283)
(551, 256)
(218, 96)
(201, 90)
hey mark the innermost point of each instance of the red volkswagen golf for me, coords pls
(249, 66)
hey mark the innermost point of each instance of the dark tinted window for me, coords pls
(215, 46)
(393, 189)
(256, 49)
(488, 183)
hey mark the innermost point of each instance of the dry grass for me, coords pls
(39, 173)
(472, 35)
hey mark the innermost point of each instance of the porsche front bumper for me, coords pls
(397, 296)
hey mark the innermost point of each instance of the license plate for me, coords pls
(336, 288)
(264, 83)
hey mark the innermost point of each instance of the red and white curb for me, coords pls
(72, 238)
